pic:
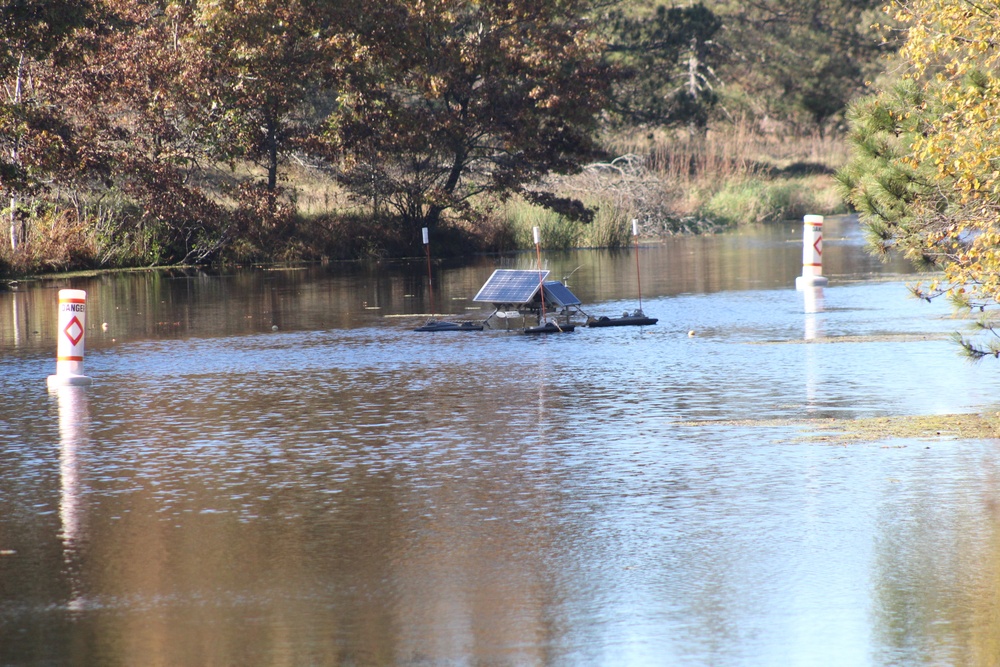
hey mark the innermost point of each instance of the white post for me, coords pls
(638, 276)
(71, 334)
(812, 253)
(537, 235)
(430, 279)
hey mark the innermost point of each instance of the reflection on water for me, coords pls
(812, 298)
(184, 304)
(74, 417)
(347, 491)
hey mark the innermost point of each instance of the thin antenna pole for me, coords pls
(638, 276)
(541, 286)
(430, 279)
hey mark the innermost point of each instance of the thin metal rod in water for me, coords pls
(638, 276)
(430, 279)
(541, 286)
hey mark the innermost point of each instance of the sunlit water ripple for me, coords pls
(615, 496)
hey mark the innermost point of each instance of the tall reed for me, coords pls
(730, 174)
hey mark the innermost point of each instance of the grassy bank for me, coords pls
(691, 183)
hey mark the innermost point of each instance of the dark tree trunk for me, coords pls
(271, 127)
(454, 175)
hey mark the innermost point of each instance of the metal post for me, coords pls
(430, 279)
(536, 232)
(638, 276)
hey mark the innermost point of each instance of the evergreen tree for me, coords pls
(925, 175)
(798, 61)
(667, 60)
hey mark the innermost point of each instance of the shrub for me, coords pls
(55, 240)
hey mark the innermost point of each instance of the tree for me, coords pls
(127, 98)
(800, 61)
(470, 98)
(668, 61)
(32, 135)
(163, 91)
(925, 175)
(266, 62)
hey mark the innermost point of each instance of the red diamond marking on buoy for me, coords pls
(78, 335)
(816, 246)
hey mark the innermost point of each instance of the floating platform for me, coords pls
(625, 321)
(550, 327)
(451, 326)
(527, 293)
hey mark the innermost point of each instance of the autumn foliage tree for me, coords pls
(926, 171)
(34, 136)
(126, 96)
(263, 73)
(470, 99)
(163, 130)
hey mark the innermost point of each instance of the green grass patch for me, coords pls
(759, 200)
(610, 228)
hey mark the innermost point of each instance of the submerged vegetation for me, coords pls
(136, 133)
(922, 427)
(890, 431)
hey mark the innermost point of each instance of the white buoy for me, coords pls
(812, 253)
(71, 338)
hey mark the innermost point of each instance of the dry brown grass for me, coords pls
(729, 152)
(53, 240)
(732, 174)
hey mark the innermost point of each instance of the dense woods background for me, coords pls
(141, 132)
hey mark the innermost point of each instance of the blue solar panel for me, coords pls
(559, 295)
(511, 286)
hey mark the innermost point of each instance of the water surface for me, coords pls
(343, 490)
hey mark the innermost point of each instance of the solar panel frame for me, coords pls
(511, 286)
(559, 295)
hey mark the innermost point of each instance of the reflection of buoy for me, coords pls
(274, 327)
(73, 419)
(71, 334)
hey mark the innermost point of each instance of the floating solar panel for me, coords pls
(511, 286)
(559, 295)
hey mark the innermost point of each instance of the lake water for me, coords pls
(345, 491)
